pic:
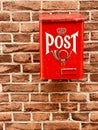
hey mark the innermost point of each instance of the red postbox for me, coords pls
(61, 46)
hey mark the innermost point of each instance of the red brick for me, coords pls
(36, 78)
(5, 38)
(58, 87)
(60, 5)
(41, 116)
(20, 78)
(19, 97)
(4, 78)
(91, 68)
(4, 97)
(36, 57)
(5, 58)
(90, 126)
(80, 116)
(1, 126)
(39, 97)
(21, 5)
(20, 87)
(89, 87)
(20, 48)
(94, 15)
(21, 16)
(22, 38)
(35, 16)
(90, 26)
(94, 77)
(4, 16)
(9, 68)
(78, 97)
(94, 35)
(9, 27)
(22, 58)
(88, 5)
(94, 58)
(94, 117)
(10, 107)
(94, 97)
(60, 116)
(21, 116)
(29, 27)
(59, 97)
(31, 68)
(69, 107)
(91, 47)
(5, 117)
(36, 37)
(23, 126)
(41, 107)
(86, 36)
(89, 106)
(61, 126)
(86, 57)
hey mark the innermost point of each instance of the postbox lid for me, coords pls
(61, 17)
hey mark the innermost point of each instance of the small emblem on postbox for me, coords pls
(61, 46)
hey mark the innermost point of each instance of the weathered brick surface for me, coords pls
(41, 116)
(94, 16)
(61, 126)
(4, 16)
(26, 101)
(31, 68)
(22, 58)
(80, 116)
(10, 48)
(9, 27)
(20, 87)
(60, 87)
(29, 27)
(19, 97)
(69, 107)
(21, 5)
(89, 126)
(88, 5)
(20, 78)
(21, 37)
(21, 116)
(21, 16)
(5, 38)
(4, 78)
(94, 117)
(5, 58)
(5, 117)
(23, 126)
(10, 107)
(9, 68)
(78, 97)
(60, 116)
(60, 5)
(41, 107)
(4, 97)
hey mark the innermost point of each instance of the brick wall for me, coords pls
(26, 102)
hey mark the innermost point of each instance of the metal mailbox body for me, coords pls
(61, 46)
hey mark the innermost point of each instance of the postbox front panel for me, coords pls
(61, 50)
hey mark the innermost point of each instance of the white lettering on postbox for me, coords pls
(63, 42)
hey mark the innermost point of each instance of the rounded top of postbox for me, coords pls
(61, 17)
